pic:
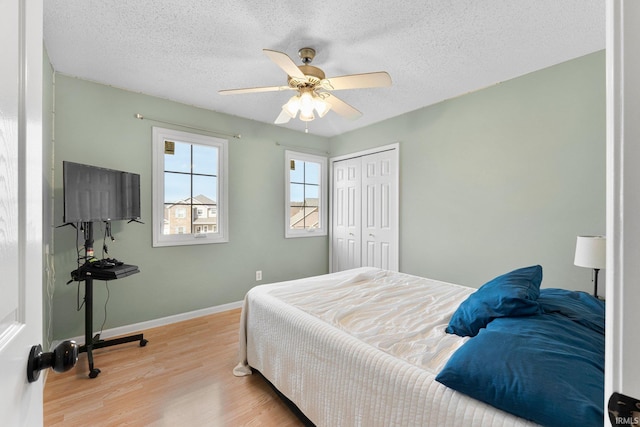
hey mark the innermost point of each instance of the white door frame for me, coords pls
(396, 148)
(622, 371)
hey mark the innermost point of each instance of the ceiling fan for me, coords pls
(314, 89)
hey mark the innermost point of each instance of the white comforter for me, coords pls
(361, 348)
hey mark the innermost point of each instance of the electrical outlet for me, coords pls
(258, 275)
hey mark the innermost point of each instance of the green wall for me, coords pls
(95, 124)
(493, 180)
(501, 178)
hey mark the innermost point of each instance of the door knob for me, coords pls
(61, 359)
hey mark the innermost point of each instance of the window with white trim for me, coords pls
(305, 195)
(189, 181)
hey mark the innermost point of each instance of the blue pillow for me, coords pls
(580, 307)
(546, 368)
(512, 294)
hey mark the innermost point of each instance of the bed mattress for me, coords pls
(361, 348)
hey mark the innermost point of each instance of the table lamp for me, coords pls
(591, 253)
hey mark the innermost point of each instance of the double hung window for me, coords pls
(305, 195)
(190, 200)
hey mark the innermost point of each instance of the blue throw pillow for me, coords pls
(546, 368)
(512, 294)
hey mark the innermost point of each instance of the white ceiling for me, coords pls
(433, 49)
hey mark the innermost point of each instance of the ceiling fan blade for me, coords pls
(360, 81)
(341, 107)
(282, 118)
(253, 90)
(283, 61)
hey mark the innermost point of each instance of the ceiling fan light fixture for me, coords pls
(313, 88)
(307, 117)
(292, 106)
(322, 107)
(306, 104)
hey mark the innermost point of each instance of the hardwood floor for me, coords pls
(183, 376)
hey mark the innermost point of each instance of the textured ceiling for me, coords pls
(433, 49)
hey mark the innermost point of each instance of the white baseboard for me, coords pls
(137, 327)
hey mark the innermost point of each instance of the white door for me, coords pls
(20, 208)
(346, 214)
(379, 211)
(364, 210)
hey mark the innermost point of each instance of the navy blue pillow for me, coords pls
(546, 368)
(512, 294)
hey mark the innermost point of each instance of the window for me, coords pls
(305, 195)
(189, 180)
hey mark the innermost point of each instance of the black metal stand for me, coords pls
(90, 342)
(595, 281)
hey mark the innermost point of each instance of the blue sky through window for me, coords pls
(177, 186)
(304, 181)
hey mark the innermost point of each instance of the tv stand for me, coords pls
(92, 342)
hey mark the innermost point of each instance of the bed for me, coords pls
(369, 347)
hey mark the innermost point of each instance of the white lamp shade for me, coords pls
(591, 252)
(306, 117)
(292, 106)
(322, 107)
(306, 105)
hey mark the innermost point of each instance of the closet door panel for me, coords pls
(380, 210)
(346, 211)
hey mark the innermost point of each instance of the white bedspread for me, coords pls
(361, 348)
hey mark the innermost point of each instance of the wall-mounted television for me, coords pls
(93, 194)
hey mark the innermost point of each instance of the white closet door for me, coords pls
(379, 211)
(364, 212)
(346, 214)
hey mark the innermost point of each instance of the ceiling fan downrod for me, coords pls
(307, 54)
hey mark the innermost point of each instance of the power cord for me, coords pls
(85, 258)
(78, 258)
(106, 284)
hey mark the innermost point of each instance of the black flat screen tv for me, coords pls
(93, 194)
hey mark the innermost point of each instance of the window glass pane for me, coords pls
(311, 194)
(312, 217)
(312, 173)
(205, 160)
(207, 223)
(177, 219)
(205, 190)
(180, 161)
(304, 217)
(177, 187)
(296, 217)
(296, 193)
(297, 174)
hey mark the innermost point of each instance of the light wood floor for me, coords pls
(182, 377)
